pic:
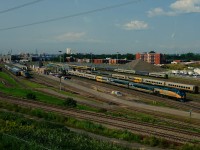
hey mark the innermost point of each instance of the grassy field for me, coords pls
(22, 93)
(9, 80)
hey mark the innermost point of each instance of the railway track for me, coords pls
(161, 116)
(146, 129)
(184, 106)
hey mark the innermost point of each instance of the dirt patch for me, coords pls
(139, 65)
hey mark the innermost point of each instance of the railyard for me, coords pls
(172, 119)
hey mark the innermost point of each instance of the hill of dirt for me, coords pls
(139, 65)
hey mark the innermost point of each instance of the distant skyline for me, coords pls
(165, 26)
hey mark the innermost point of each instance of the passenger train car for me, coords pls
(185, 87)
(17, 71)
(162, 91)
(143, 73)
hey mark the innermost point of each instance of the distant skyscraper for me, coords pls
(68, 51)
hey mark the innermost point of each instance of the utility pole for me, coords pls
(60, 75)
(117, 57)
(91, 57)
(60, 56)
(60, 84)
(91, 61)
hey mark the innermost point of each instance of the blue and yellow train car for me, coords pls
(169, 92)
(118, 82)
(141, 87)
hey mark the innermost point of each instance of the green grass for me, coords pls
(86, 125)
(32, 84)
(88, 108)
(18, 132)
(8, 78)
(76, 96)
(20, 92)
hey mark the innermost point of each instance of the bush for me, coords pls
(31, 96)
(70, 102)
(102, 110)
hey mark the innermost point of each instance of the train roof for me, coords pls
(20, 66)
(143, 85)
(118, 80)
(181, 84)
(171, 89)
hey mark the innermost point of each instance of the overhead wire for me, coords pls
(20, 6)
(73, 15)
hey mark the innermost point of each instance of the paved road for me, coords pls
(128, 103)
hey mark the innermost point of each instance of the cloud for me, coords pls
(159, 11)
(73, 37)
(176, 8)
(135, 25)
(70, 37)
(186, 6)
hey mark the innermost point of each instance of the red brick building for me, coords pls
(98, 61)
(152, 58)
(110, 61)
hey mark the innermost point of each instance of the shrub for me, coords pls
(31, 96)
(70, 102)
(102, 110)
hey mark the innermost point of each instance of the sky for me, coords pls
(100, 26)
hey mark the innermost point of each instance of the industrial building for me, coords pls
(5, 58)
